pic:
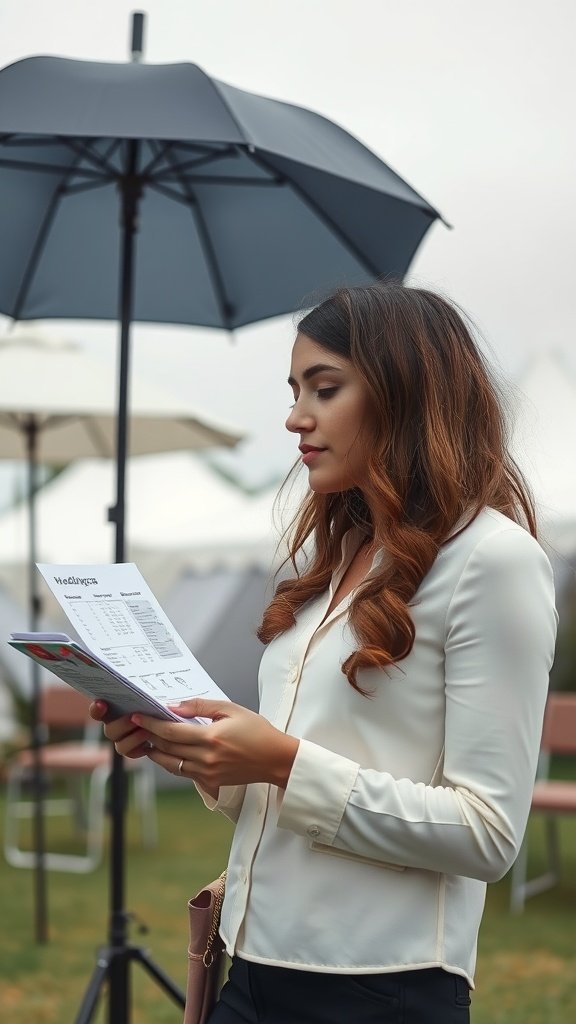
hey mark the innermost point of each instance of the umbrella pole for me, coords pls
(119, 994)
(41, 916)
(114, 960)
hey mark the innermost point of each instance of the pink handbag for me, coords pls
(206, 958)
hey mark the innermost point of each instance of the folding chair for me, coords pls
(551, 798)
(84, 765)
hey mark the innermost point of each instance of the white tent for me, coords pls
(179, 511)
(543, 445)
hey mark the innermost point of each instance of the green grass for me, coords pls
(46, 984)
(526, 969)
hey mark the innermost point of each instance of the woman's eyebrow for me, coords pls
(311, 371)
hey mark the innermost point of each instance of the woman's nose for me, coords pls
(299, 420)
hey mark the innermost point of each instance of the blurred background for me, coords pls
(473, 105)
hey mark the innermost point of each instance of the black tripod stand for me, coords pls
(114, 960)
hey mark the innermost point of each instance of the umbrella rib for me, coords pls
(170, 193)
(84, 151)
(326, 219)
(156, 159)
(97, 437)
(86, 186)
(20, 420)
(114, 145)
(207, 156)
(25, 165)
(37, 249)
(226, 309)
(12, 419)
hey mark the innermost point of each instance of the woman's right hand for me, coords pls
(128, 739)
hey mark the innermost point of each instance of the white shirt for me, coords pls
(399, 806)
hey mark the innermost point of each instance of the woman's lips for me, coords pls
(310, 454)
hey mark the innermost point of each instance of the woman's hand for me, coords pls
(238, 747)
(128, 739)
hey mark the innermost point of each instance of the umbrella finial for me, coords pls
(137, 46)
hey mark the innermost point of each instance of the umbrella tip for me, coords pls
(137, 44)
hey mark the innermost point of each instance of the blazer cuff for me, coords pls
(229, 802)
(317, 793)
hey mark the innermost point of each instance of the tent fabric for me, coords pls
(544, 427)
(177, 506)
(217, 613)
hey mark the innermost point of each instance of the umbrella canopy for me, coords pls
(246, 204)
(56, 385)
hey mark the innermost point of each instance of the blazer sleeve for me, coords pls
(499, 646)
(229, 802)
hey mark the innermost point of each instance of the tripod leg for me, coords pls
(92, 993)
(158, 974)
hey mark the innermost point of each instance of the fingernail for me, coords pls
(136, 719)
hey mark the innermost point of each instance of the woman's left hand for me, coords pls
(238, 747)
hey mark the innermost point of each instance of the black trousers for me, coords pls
(258, 994)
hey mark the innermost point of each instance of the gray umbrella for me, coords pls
(156, 193)
(243, 204)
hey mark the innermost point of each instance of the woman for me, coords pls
(388, 775)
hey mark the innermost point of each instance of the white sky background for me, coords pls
(473, 104)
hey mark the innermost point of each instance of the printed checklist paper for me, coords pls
(128, 652)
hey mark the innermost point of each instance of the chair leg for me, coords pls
(12, 851)
(518, 879)
(77, 863)
(96, 815)
(93, 818)
(553, 844)
(521, 888)
(78, 802)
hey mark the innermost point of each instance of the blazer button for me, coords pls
(313, 831)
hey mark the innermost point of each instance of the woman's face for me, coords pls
(329, 411)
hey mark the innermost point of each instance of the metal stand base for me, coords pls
(114, 963)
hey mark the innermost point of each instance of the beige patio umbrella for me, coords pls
(56, 405)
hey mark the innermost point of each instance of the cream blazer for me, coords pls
(400, 807)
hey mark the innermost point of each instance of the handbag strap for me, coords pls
(208, 957)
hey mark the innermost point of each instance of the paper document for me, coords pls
(128, 653)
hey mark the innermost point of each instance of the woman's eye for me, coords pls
(324, 393)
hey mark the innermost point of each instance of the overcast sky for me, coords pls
(472, 103)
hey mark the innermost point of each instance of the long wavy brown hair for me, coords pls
(436, 450)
